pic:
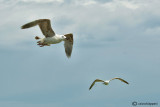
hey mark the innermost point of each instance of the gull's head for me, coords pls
(106, 82)
(63, 37)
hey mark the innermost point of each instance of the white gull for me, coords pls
(50, 36)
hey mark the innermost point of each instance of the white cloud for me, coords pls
(89, 3)
(129, 5)
(43, 1)
(153, 31)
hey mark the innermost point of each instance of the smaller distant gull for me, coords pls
(50, 36)
(107, 81)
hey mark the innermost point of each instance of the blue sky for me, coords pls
(112, 38)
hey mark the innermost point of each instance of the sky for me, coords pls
(112, 38)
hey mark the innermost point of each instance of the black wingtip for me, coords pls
(68, 57)
(22, 27)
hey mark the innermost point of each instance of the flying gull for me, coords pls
(50, 36)
(107, 81)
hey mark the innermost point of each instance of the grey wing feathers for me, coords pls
(97, 80)
(68, 44)
(44, 25)
(31, 24)
(120, 80)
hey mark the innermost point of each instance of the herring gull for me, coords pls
(107, 81)
(50, 36)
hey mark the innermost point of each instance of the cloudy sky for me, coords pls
(112, 38)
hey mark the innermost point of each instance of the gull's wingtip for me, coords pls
(68, 56)
(22, 27)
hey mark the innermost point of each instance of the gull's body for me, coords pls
(52, 40)
(107, 81)
(50, 36)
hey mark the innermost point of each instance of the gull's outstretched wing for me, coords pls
(97, 80)
(120, 80)
(68, 44)
(44, 25)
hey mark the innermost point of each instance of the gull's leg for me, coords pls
(47, 45)
(41, 45)
(39, 42)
